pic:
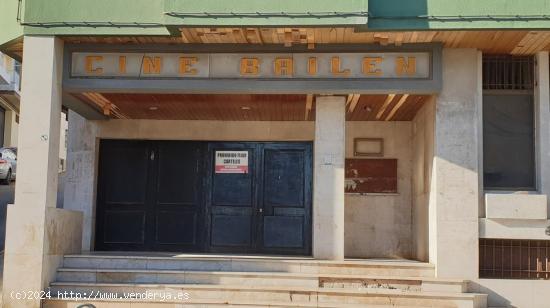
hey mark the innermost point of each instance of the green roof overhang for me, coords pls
(10, 29)
(165, 17)
(303, 13)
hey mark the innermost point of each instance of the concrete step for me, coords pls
(282, 294)
(260, 279)
(59, 303)
(251, 264)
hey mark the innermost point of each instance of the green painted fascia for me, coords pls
(159, 17)
(97, 17)
(458, 14)
(10, 29)
(266, 13)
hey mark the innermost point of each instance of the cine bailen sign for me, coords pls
(389, 65)
(231, 162)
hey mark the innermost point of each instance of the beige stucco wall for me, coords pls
(422, 147)
(512, 293)
(207, 130)
(380, 225)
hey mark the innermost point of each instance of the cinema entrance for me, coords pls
(252, 150)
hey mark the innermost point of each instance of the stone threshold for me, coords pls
(261, 258)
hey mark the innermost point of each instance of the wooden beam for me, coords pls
(184, 37)
(83, 107)
(238, 33)
(106, 107)
(387, 102)
(309, 105)
(399, 39)
(381, 38)
(353, 102)
(310, 39)
(288, 38)
(397, 106)
(348, 100)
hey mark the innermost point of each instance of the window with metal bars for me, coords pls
(508, 123)
(506, 72)
(514, 259)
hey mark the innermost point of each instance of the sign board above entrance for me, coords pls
(329, 69)
(376, 65)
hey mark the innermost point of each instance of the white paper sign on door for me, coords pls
(231, 162)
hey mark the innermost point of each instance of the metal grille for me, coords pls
(514, 259)
(504, 72)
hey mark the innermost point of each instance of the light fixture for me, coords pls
(153, 108)
(245, 108)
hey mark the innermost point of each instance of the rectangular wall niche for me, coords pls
(371, 176)
(368, 147)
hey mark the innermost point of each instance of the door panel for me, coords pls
(286, 198)
(124, 227)
(232, 189)
(284, 178)
(284, 232)
(177, 206)
(149, 196)
(122, 194)
(231, 202)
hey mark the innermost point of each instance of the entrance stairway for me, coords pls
(231, 281)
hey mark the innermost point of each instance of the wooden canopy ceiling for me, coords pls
(489, 41)
(244, 107)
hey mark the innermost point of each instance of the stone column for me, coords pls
(542, 120)
(455, 187)
(80, 180)
(38, 234)
(328, 188)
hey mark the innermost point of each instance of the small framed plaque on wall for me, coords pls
(373, 147)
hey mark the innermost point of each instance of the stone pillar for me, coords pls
(455, 187)
(542, 120)
(328, 188)
(38, 234)
(80, 180)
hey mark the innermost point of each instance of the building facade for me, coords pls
(384, 130)
(9, 100)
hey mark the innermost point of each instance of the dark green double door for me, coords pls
(169, 196)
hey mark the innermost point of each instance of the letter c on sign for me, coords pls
(90, 65)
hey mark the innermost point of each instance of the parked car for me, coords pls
(8, 165)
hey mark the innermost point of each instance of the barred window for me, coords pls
(508, 123)
(505, 72)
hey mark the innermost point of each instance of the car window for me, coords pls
(7, 154)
